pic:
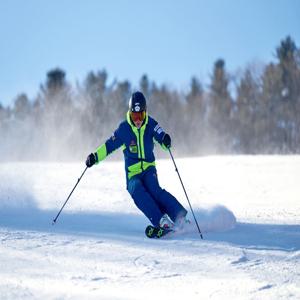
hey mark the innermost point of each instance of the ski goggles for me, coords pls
(137, 116)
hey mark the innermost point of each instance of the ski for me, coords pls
(156, 232)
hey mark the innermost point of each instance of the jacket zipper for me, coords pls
(140, 148)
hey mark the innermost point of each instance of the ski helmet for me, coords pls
(137, 102)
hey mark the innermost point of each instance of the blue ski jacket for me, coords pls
(137, 144)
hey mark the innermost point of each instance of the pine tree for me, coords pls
(22, 107)
(220, 108)
(280, 99)
(289, 69)
(95, 109)
(246, 114)
(194, 117)
(57, 116)
(145, 87)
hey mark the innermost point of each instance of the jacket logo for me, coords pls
(133, 147)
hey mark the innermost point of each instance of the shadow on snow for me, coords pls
(261, 236)
(128, 226)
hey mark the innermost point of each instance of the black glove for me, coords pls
(167, 141)
(91, 160)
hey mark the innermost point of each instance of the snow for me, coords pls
(247, 207)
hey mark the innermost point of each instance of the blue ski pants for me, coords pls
(151, 199)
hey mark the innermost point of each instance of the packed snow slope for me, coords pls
(247, 207)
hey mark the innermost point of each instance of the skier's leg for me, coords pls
(168, 203)
(143, 200)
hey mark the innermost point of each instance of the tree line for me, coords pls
(256, 111)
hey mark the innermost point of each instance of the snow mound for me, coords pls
(216, 218)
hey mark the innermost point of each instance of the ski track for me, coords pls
(97, 249)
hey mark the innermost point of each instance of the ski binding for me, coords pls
(156, 232)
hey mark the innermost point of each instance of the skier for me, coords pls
(135, 135)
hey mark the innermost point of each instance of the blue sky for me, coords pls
(170, 41)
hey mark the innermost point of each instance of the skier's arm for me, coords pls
(112, 144)
(162, 137)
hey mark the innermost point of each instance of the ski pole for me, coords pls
(55, 219)
(176, 169)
